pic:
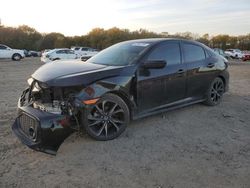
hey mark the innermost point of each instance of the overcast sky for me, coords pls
(78, 17)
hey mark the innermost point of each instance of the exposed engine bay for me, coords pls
(56, 107)
(56, 100)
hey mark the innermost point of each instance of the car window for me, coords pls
(170, 52)
(193, 52)
(76, 48)
(208, 54)
(85, 49)
(70, 52)
(120, 54)
(61, 52)
(2, 47)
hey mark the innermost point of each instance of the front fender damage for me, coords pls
(47, 117)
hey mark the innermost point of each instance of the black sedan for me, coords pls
(126, 81)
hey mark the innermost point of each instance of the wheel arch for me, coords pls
(97, 90)
(16, 53)
(125, 98)
(225, 78)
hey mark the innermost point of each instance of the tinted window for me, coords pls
(207, 54)
(193, 53)
(85, 49)
(123, 53)
(70, 52)
(2, 47)
(170, 52)
(61, 52)
(77, 48)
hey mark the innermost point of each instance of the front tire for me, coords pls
(16, 57)
(107, 119)
(215, 92)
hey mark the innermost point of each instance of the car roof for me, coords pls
(158, 40)
(56, 49)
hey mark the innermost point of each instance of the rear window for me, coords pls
(193, 53)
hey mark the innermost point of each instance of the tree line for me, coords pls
(25, 37)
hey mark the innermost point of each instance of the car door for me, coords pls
(157, 87)
(5, 52)
(200, 69)
(71, 54)
(61, 54)
(64, 54)
(84, 51)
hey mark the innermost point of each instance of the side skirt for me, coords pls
(167, 107)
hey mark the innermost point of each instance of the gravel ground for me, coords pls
(196, 146)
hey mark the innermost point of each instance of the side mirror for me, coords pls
(155, 64)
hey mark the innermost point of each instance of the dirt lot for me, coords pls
(197, 146)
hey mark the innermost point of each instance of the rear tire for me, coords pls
(215, 92)
(16, 57)
(107, 119)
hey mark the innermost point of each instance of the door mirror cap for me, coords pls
(155, 64)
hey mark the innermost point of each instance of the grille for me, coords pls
(29, 126)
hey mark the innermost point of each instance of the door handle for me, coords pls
(210, 65)
(180, 71)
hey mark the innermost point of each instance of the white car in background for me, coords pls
(84, 52)
(57, 54)
(9, 53)
(234, 53)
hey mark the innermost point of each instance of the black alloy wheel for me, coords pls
(215, 92)
(107, 119)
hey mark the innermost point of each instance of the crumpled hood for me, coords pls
(73, 72)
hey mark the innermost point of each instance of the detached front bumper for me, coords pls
(40, 130)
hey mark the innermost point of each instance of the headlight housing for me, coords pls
(37, 85)
(30, 80)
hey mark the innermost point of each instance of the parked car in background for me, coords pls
(57, 54)
(9, 53)
(126, 81)
(26, 53)
(85, 52)
(246, 55)
(35, 53)
(45, 51)
(234, 53)
(222, 53)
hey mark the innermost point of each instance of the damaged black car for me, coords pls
(126, 81)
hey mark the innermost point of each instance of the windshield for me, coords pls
(120, 54)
